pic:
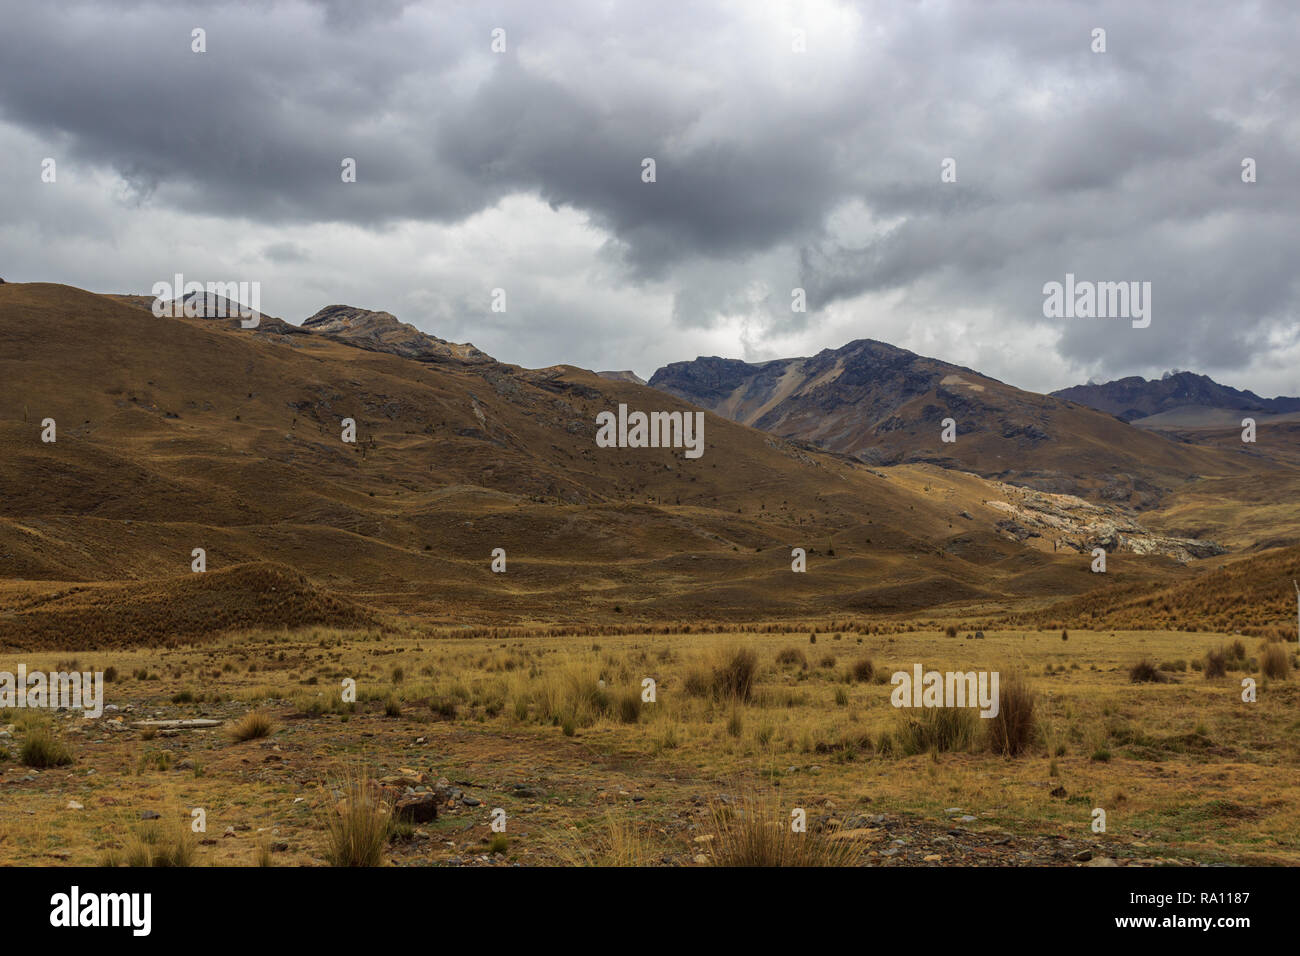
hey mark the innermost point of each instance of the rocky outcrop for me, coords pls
(1073, 524)
(382, 332)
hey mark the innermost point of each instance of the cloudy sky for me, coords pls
(776, 168)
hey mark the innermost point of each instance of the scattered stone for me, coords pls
(1083, 856)
(149, 815)
(417, 807)
(74, 805)
(194, 723)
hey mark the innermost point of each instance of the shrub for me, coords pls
(862, 670)
(1065, 635)
(950, 631)
(1216, 663)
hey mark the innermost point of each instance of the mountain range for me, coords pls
(179, 433)
(1178, 398)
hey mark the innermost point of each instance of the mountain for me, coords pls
(885, 405)
(381, 332)
(180, 433)
(1183, 398)
(623, 376)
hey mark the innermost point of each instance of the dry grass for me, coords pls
(42, 749)
(252, 725)
(936, 730)
(758, 832)
(1014, 728)
(499, 726)
(1275, 662)
(358, 825)
(154, 844)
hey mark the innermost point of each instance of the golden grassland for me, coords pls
(1183, 767)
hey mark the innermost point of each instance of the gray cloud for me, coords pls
(775, 169)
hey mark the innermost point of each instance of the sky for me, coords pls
(796, 145)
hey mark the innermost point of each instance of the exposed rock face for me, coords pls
(1133, 398)
(884, 405)
(1077, 525)
(207, 305)
(382, 332)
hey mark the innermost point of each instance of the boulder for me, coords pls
(417, 807)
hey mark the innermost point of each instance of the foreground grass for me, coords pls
(1182, 765)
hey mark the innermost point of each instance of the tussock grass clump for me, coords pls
(629, 706)
(151, 845)
(758, 833)
(572, 695)
(862, 670)
(734, 677)
(937, 729)
(1145, 672)
(731, 676)
(357, 827)
(1274, 662)
(791, 656)
(1012, 731)
(43, 749)
(1216, 663)
(618, 842)
(251, 726)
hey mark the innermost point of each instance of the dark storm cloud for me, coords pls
(774, 169)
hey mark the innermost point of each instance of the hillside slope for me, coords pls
(176, 433)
